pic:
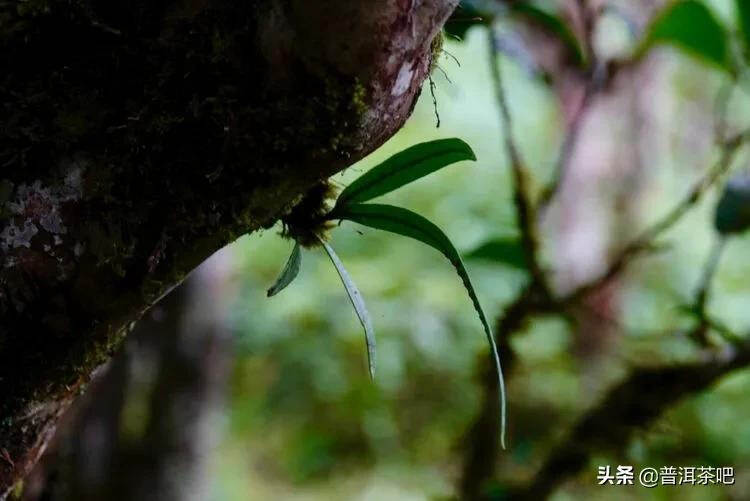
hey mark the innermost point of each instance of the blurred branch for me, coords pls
(648, 392)
(708, 273)
(661, 385)
(532, 301)
(595, 83)
(645, 241)
(483, 438)
(721, 108)
(526, 212)
(633, 404)
(481, 442)
(699, 309)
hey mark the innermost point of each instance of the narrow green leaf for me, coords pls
(407, 223)
(359, 305)
(403, 168)
(554, 25)
(692, 27)
(289, 273)
(507, 251)
(743, 12)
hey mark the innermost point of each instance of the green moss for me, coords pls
(436, 50)
(32, 8)
(17, 492)
(359, 99)
(318, 121)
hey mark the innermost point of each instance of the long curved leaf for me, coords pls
(359, 305)
(407, 223)
(403, 168)
(691, 26)
(289, 273)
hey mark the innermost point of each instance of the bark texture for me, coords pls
(136, 138)
(148, 425)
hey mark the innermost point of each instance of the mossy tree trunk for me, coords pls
(150, 421)
(136, 138)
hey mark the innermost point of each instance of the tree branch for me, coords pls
(537, 299)
(631, 405)
(525, 209)
(645, 241)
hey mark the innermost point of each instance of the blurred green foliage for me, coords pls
(305, 421)
(691, 26)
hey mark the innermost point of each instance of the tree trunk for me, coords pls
(136, 138)
(173, 370)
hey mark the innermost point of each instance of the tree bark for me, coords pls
(174, 368)
(136, 138)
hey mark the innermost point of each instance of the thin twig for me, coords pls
(434, 102)
(525, 209)
(645, 241)
(445, 74)
(562, 167)
(455, 59)
(635, 333)
(709, 271)
(725, 332)
(701, 296)
(721, 109)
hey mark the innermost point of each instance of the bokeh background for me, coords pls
(282, 406)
